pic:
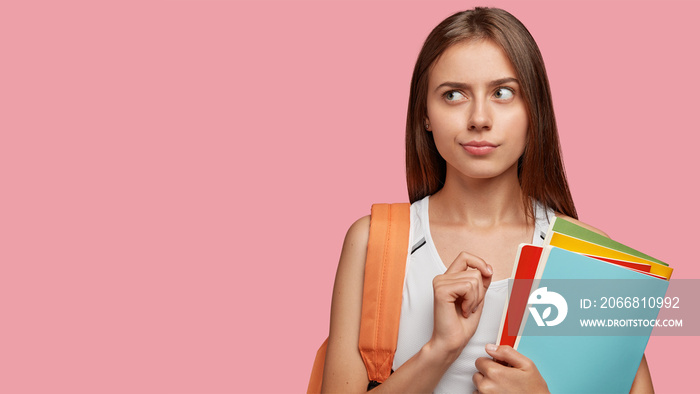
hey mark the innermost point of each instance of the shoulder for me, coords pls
(354, 252)
(358, 234)
(582, 224)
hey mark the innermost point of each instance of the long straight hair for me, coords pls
(540, 168)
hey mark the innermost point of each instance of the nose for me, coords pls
(480, 116)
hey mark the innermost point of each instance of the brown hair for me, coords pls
(540, 168)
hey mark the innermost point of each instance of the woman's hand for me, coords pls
(458, 302)
(520, 376)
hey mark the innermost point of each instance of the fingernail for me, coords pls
(491, 347)
(488, 268)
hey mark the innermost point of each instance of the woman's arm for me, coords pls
(458, 302)
(642, 381)
(344, 370)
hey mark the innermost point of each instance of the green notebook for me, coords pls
(566, 227)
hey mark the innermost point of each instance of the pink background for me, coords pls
(178, 176)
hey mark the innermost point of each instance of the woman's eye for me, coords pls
(454, 95)
(504, 94)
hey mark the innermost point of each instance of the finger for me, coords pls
(470, 308)
(491, 372)
(485, 365)
(465, 260)
(477, 379)
(464, 293)
(468, 286)
(484, 282)
(508, 355)
(474, 299)
(472, 276)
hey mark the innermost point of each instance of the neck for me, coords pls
(479, 202)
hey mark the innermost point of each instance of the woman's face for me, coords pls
(476, 110)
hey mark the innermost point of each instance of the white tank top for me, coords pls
(416, 325)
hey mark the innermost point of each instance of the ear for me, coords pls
(426, 125)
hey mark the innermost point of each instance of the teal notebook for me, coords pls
(569, 359)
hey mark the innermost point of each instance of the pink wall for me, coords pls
(178, 176)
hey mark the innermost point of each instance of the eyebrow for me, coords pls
(460, 85)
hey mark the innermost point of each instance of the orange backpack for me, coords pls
(385, 268)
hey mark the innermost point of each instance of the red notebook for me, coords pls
(524, 271)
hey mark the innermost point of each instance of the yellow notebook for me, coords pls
(580, 246)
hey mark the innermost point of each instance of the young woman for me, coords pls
(484, 174)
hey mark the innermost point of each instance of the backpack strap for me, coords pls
(385, 268)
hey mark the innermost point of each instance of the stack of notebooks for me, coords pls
(597, 277)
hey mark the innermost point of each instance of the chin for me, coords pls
(489, 173)
(485, 169)
(485, 176)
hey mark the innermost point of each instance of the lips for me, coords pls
(479, 148)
